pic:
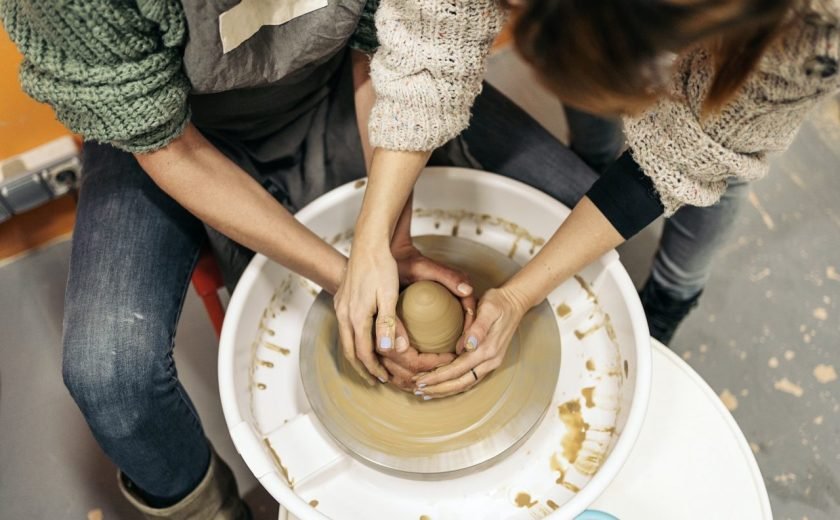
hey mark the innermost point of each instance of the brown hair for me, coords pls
(607, 55)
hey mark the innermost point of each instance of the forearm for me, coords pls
(583, 237)
(390, 182)
(194, 173)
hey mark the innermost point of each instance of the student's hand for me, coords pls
(485, 345)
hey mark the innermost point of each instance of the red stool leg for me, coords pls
(207, 280)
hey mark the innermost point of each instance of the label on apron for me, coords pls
(244, 20)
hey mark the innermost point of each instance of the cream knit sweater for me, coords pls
(428, 69)
(690, 159)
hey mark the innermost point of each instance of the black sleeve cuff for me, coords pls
(626, 196)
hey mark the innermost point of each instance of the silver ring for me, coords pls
(474, 374)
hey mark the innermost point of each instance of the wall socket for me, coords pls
(34, 177)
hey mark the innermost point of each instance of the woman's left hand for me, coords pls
(486, 342)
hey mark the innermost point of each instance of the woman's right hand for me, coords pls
(370, 288)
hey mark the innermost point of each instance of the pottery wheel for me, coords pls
(398, 432)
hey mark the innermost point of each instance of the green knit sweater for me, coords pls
(111, 69)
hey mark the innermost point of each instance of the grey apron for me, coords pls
(280, 105)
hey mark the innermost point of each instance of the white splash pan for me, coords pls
(279, 438)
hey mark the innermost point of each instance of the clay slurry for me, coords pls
(432, 316)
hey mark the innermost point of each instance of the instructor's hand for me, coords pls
(485, 344)
(369, 289)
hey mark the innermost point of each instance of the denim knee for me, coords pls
(110, 374)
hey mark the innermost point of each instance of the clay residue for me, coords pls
(571, 487)
(590, 365)
(360, 183)
(563, 310)
(729, 400)
(262, 386)
(313, 503)
(825, 373)
(276, 348)
(626, 369)
(832, 274)
(264, 363)
(788, 387)
(821, 313)
(279, 463)
(552, 504)
(524, 500)
(588, 394)
(425, 517)
(773, 362)
(576, 429)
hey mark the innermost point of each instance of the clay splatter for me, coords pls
(818, 420)
(590, 365)
(94, 514)
(576, 429)
(761, 275)
(524, 500)
(765, 217)
(825, 373)
(626, 369)
(360, 183)
(832, 274)
(563, 310)
(729, 400)
(821, 313)
(789, 355)
(266, 364)
(773, 362)
(261, 386)
(552, 504)
(425, 517)
(313, 503)
(276, 348)
(786, 386)
(283, 470)
(755, 447)
(588, 394)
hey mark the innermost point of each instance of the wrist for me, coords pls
(522, 295)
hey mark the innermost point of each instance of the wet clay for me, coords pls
(399, 431)
(432, 316)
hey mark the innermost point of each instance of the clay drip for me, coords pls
(432, 316)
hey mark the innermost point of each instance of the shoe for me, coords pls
(664, 312)
(215, 498)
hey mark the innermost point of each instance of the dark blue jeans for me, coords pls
(134, 249)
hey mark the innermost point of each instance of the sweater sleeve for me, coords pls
(690, 157)
(112, 71)
(428, 69)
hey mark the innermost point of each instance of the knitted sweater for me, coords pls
(690, 158)
(112, 70)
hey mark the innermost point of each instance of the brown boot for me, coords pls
(215, 498)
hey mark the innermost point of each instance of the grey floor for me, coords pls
(765, 337)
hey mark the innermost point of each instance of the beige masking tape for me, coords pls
(241, 22)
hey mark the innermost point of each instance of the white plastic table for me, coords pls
(690, 462)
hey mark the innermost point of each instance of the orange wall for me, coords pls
(24, 123)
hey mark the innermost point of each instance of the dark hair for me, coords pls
(607, 55)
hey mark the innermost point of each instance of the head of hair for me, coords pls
(612, 56)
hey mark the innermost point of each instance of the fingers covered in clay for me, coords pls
(463, 382)
(348, 348)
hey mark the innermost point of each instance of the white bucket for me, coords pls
(605, 369)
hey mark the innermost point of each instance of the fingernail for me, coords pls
(385, 343)
(421, 385)
(402, 344)
(464, 289)
(470, 311)
(472, 343)
(418, 393)
(426, 397)
(382, 379)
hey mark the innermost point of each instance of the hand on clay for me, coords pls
(482, 348)
(357, 302)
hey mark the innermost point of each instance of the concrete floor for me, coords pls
(765, 337)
